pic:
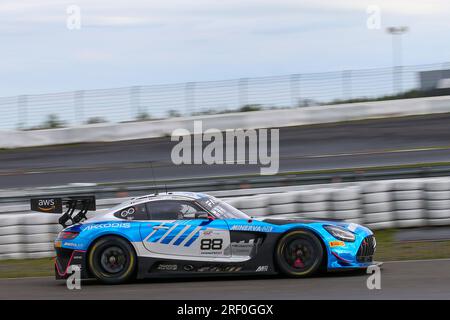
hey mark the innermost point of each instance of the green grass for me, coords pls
(26, 268)
(387, 250)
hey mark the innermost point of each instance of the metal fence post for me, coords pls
(135, 101)
(295, 89)
(22, 112)
(346, 85)
(243, 94)
(398, 73)
(78, 103)
(189, 98)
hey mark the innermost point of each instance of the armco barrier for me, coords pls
(244, 120)
(376, 204)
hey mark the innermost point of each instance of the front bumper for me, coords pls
(355, 255)
(362, 266)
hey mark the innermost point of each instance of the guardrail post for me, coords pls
(243, 92)
(78, 103)
(398, 73)
(189, 97)
(22, 112)
(295, 89)
(346, 84)
(135, 97)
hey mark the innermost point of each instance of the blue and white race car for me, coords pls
(184, 233)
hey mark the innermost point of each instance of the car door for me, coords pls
(174, 231)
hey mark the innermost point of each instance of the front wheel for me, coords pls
(112, 260)
(299, 253)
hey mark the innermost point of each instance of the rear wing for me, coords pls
(82, 204)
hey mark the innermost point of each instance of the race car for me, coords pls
(184, 234)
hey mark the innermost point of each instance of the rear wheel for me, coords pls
(112, 260)
(299, 253)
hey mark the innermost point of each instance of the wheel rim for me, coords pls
(299, 254)
(113, 260)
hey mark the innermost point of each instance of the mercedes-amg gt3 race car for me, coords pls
(183, 233)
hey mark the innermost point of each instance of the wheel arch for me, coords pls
(324, 263)
(105, 235)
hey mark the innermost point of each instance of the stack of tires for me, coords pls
(315, 203)
(10, 237)
(39, 232)
(27, 236)
(377, 205)
(437, 197)
(285, 203)
(346, 204)
(254, 206)
(409, 203)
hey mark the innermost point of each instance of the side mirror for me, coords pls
(202, 215)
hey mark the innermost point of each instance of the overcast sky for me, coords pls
(124, 43)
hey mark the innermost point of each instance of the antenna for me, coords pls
(154, 180)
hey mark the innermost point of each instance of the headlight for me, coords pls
(340, 233)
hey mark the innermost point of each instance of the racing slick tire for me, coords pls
(299, 253)
(112, 260)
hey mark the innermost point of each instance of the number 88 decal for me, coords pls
(211, 244)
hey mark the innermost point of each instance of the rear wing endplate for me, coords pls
(81, 204)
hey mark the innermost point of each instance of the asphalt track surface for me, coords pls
(423, 279)
(382, 142)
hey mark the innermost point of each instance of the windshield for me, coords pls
(221, 209)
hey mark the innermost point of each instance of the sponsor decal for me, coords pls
(337, 243)
(251, 228)
(108, 225)
(71, 244)
(219, 268)
(262, 269)
(246, 244)
(188, 267)
(168, 267)
(211, 253)
(46, 204)
(243, 248)
(127, 212)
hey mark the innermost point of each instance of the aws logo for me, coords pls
(46, 205)
(49, 205)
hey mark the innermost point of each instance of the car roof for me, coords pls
(164, 196)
